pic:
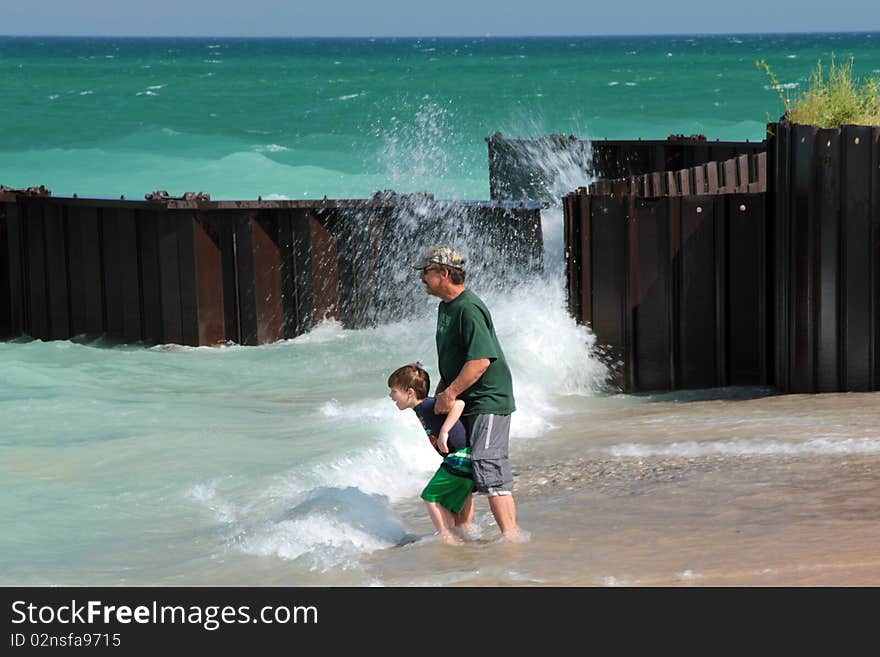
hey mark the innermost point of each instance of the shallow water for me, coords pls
(786, 496)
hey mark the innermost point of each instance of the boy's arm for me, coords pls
(451, 418)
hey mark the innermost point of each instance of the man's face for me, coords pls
(432, 277)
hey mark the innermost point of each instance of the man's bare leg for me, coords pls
(504, 509)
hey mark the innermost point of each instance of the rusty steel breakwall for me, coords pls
(674, 287)
(742, 174)
(198, 272)
(824, 196)
(779, 287)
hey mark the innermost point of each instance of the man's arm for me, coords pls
(451, 418)
(469, 375)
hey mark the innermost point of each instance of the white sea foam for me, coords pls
(271, 148)
(328, 542)
(611, 580)
(333, 510)
(342, 508)
(688, 575)
(548, 352)
(331, 408)
(328, 330)
(387, 452)
(206, 495)
(755, 446)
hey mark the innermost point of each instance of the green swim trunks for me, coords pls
(448, 490)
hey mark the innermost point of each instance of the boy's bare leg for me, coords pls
(443, 520)
(465, 517)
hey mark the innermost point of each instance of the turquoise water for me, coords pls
(286, 463)
(240, 118)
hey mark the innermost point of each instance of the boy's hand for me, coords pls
(442, 441)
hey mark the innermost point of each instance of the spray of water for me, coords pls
(414, 154)
(425, 153)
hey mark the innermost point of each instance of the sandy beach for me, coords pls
(802, 518)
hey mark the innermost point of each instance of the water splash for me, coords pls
(328, 528)
(543, 169)
(502, 246)
(417, 154)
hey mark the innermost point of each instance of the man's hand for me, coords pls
(443, 402)
(469, 375)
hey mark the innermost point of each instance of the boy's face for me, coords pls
(404, 399)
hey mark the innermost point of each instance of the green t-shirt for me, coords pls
(465, 332)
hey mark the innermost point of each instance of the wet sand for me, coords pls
(712, 521)
(805, 518)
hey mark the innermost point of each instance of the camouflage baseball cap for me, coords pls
(440, 254)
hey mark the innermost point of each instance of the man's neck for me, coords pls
(451, 292)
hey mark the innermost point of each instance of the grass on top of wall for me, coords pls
(835, 97)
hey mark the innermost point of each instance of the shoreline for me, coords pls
(796, 516)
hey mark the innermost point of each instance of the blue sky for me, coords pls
(435, 18)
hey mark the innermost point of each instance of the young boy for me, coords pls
(448, 494)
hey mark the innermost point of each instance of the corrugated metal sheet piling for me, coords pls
(824, 191)
(699, 277)
(198, 272)
(674, 285)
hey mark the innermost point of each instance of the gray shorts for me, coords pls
(489, 439)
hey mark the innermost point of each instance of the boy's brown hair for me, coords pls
(411, 376)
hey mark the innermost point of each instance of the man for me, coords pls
(473, 369)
